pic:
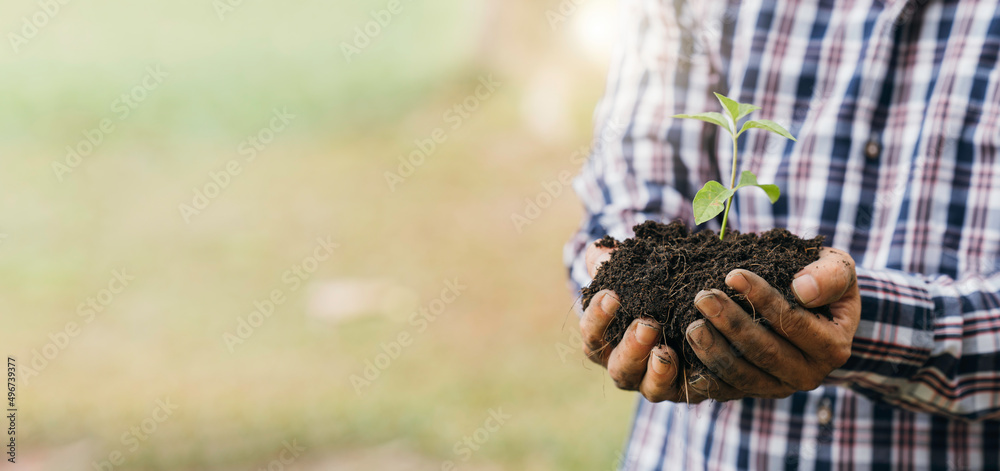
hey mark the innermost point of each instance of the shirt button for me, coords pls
(873, 149)
(824, 413)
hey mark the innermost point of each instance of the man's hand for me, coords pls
(747, 359)
(634, 364)
(800, 349)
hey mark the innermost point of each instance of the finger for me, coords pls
(825, 280)
(743, 353)
(816, 337)
(596, 256)
(846, 311)
(628, 360)
(594, 323)
(664, 380)
(660, 381)
(734, 373)
(706, 385)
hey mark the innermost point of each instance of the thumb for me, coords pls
(595, 257)
(826, 280)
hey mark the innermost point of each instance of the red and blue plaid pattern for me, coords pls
(896, 106)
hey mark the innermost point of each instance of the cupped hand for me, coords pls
(800, 348)
(635, 363)
(745, 358)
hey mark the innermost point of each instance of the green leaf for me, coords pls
(710, 201)
(773, 192)
(745, 109)
(710, 117)
(730, 105)
(747, 178)
(767, 125)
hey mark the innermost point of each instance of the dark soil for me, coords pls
(658, 273)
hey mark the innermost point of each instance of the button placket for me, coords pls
(824, 412)
(873, 149)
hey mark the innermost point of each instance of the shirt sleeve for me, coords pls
(643, 163)
(928, 344)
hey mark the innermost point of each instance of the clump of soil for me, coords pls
(658, 273)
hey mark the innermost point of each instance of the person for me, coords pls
(896, 107)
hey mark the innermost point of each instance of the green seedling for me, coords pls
(713, 197)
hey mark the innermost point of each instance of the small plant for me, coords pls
(711, 198)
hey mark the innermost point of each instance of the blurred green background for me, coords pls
(93, 384)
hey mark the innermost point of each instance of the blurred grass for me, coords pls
(496, 346)
(223, 74)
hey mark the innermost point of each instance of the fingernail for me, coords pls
(805, 288)
(645, 333)
(708, 304)
(699, 334)
(737, 281)
(609, 303)
(699, 383)
(662, 365)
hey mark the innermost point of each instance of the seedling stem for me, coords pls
(713, 198)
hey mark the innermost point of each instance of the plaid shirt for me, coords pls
(896, 106)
